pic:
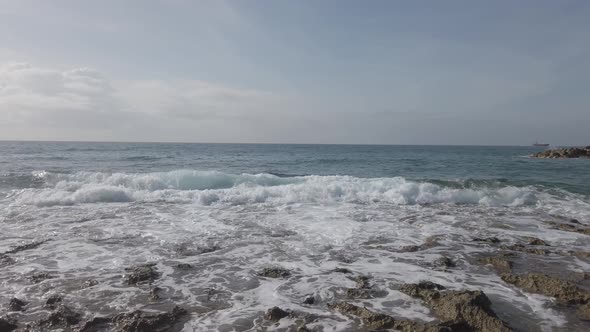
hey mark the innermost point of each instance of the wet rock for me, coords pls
(23, 247)
(492, 239)
(16, 305)
(533, 241)
(184, 266)
(500, 263)
(5, 260)
(564, 291)
(430, 242)
(569, 228)
(275, 314)
(53, 301)
(97, 324)
(470, 310)
(378, 321)
(362, 293)
(581, 254)
(309, 300)
(142, 274)
(63, 317)
(574, 152)
(274, 272)
(341, 270)
(362, 282)
(445, 262)
(7, 325)
(154, 296)
(90, 283)
(584, 311)
(523, 248)
(39, 277)
(140, 321)
(303, 329)
(574, 221)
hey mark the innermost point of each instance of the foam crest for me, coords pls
(211, 187)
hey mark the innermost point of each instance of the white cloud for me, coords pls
(81, 103)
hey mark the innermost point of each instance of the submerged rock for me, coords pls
(523, 248)
(140, 321)
(274, 272)
(53, 301)
(7, 325)
(564, 291)
(584, 311)
(16, 305)
(63, 317)
(492, 239)
(142, 273)
(430, 242)
(89, 283)
(5, 260)
(309, 300)
(461, 310)
(97, 324)
(569, 228)
(445, 262)
(154, 296)
(27, 246)
(533, 241)
(275, 314)
(184, 266)
(39, 277)
(378, 321)
(500, 263)
(341, 270)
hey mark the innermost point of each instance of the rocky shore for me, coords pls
(454, 309)
(564, 153)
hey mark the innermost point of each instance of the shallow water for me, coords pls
(232, 210)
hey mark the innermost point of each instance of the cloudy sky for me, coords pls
(390, 72)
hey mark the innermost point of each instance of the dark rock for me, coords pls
(362, 282)
(53, 301)
(309, 300)
(7, 325)
(574, 221)
(63, 317)
(445, 262)
(97, 324)
(563, 153)
(39, 277)
(500, 264)
(377, 321)
(303, 329)
(142, 273)
(533, 241)
(274, 272)
(5, 260)
(16, 304)
(89, 283)
(23, 247)
(584, 311)
(564, 291)
(581, 254)
(492, 239)
(470, 310)
(430, 242)
(275, 314)
(363, 293)
(154, 296)
(341, 270)
(184, 266)
(140, 321)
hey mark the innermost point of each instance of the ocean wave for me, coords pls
(212, 187)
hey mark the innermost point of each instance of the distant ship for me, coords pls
(540, 144)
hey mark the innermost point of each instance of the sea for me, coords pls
(226, 212)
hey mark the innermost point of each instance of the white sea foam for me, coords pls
(221, 188)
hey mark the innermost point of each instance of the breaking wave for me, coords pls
(212, 187)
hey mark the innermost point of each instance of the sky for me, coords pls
(333, 71)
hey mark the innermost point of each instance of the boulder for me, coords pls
(141, 273)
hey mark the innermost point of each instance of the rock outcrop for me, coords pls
(564, 153)
(463, 310)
